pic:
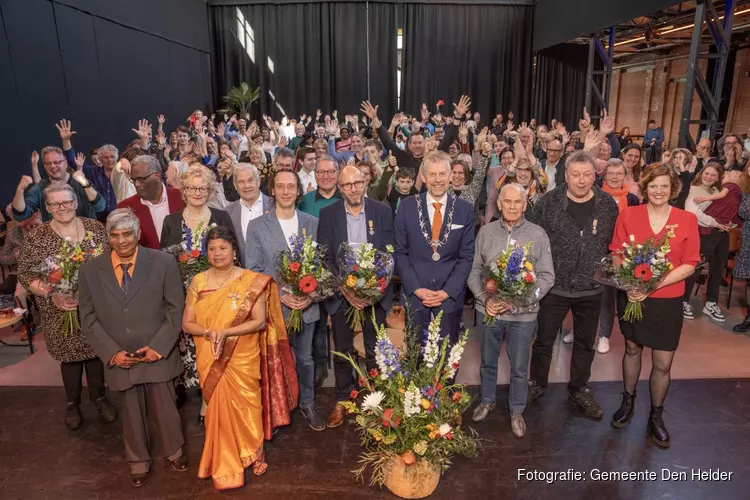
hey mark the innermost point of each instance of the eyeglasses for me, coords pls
(55, 163)
(62, 204)
(549, 150)
(352, 185)
(193, 190)
(325, 173)
(141, 180)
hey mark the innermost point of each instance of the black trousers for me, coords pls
(715, 249)
(72, 375)
(552, 312)
(343, 341)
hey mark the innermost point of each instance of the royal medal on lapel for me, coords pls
(372, 231)
(304, 232)
(593, 226)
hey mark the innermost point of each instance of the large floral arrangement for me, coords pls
(411, 409)
(366, 272)
(191, 252)
(60, 272)
(301, 269)
(510, 277)
(637, 267)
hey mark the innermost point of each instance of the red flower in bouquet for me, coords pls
(361, 381)
(389, 420)
(643, 272)
(356, 268)
(354, 394)
(184, 257)
(373, 373)
(294, 267)
(456, 396)
(449, 436)
(55, 276)
(195, 253)
(528, 278)
(308, 284)
(490, 287)
(382, 285)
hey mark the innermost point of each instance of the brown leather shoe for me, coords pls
(180, 464)
(337, 416)
(517, 425)
(138, 479)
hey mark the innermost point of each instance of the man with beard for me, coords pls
(356, 220)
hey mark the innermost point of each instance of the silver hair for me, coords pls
(123, 218)
(464, 157)
(614, 162)
(60, 187)
(514, 185)
(148, 160)
(110, 148)
(327, 158)
(246, 166)
(436, 157)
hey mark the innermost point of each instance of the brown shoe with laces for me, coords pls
(517, 425)
(337, 416)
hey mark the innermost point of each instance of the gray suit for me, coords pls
(265, 241)
(150, 314)
(234, 210)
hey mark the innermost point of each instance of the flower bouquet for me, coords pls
(637, 267)
(366, 272)
(191, 252)
(60, 272)
(302, 271)
(411, 411)
(510, 277)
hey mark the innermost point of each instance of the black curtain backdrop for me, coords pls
(317, 52)
(480, 50)
(560, 84)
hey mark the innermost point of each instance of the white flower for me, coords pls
(411, 400)
(372, 401)
(431, 347)
(455, 355)
(632, 238)
(445, 429)
(361, 282)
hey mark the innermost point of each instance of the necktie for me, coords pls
(437, 221)
(125, 277)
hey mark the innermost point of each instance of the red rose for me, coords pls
(491, 286)
(438, 386)
(195, 253)
(308, 284)
(361, 381)
(354, 394)
(440, 102)
(373, 373)
(184, 257)
(528, 278)
(356, 268)
(449, 436)
(294, 267)
(382, 285)
(55, 276)
(643, 272)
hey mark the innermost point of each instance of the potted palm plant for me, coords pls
(409, 418)
(239, 99)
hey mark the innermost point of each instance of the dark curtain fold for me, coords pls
(307, 56)
(560, 84)
(383, 58)
(480, 50)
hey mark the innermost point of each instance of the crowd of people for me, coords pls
(449, 192)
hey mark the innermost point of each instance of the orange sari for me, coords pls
(252, 388)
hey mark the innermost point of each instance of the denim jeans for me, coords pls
(303, 347)
(519, 335)
(608, 312)
(320, 341)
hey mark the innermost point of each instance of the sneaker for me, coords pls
(584, 399)
(535, 391)
(687, 311)
(711, 309)
(481, 411)
(602, 347)
(568, 338)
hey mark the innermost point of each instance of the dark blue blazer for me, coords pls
(413, 253)
(332, 232)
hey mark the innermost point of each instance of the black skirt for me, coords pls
(660, 327)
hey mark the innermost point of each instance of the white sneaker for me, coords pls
(687, 311)
(568, 338)
(602, 346)
(711, 309)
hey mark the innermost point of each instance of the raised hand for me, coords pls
(524, 125)
(80, 159)
(607, 125)
(318, 114)
(160, 119)
(34, 158)
(143, 130)
(463, 132)
(584, 124)
(64, 129)
(233, 119)
(25, 182)
(80, 177)
(369, 110)
(125, 166)
(220, 129)
(462, 107)
(425, 113)
(282, 142)
(486, 148)
(335, 114)
(593, 139)
(430, 145)
(396, 120)
(392, 161)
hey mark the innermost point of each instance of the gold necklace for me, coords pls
(220, 285)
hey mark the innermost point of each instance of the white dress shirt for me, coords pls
(250, 213)
(431, 210)
(159, 211)
(551, 171)
(307, 179)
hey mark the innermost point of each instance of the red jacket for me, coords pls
(149, 238)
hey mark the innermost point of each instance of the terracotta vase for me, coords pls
(418, 480)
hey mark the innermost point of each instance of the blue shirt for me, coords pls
(98, 177)
(34, 199)
(356, 227)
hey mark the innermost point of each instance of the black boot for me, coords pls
(656, 428)
(625, 412)
(73, 418)
(744, 326)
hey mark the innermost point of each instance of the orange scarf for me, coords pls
(620, 196)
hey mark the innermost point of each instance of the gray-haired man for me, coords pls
(251, 205)
(512, 230)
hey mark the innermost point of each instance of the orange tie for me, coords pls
(437, 221)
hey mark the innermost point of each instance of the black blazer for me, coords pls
(171, 231)
(332, 231)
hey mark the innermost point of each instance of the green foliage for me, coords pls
(239, 99)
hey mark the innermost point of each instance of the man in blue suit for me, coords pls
(354, 219)
(435, 248)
